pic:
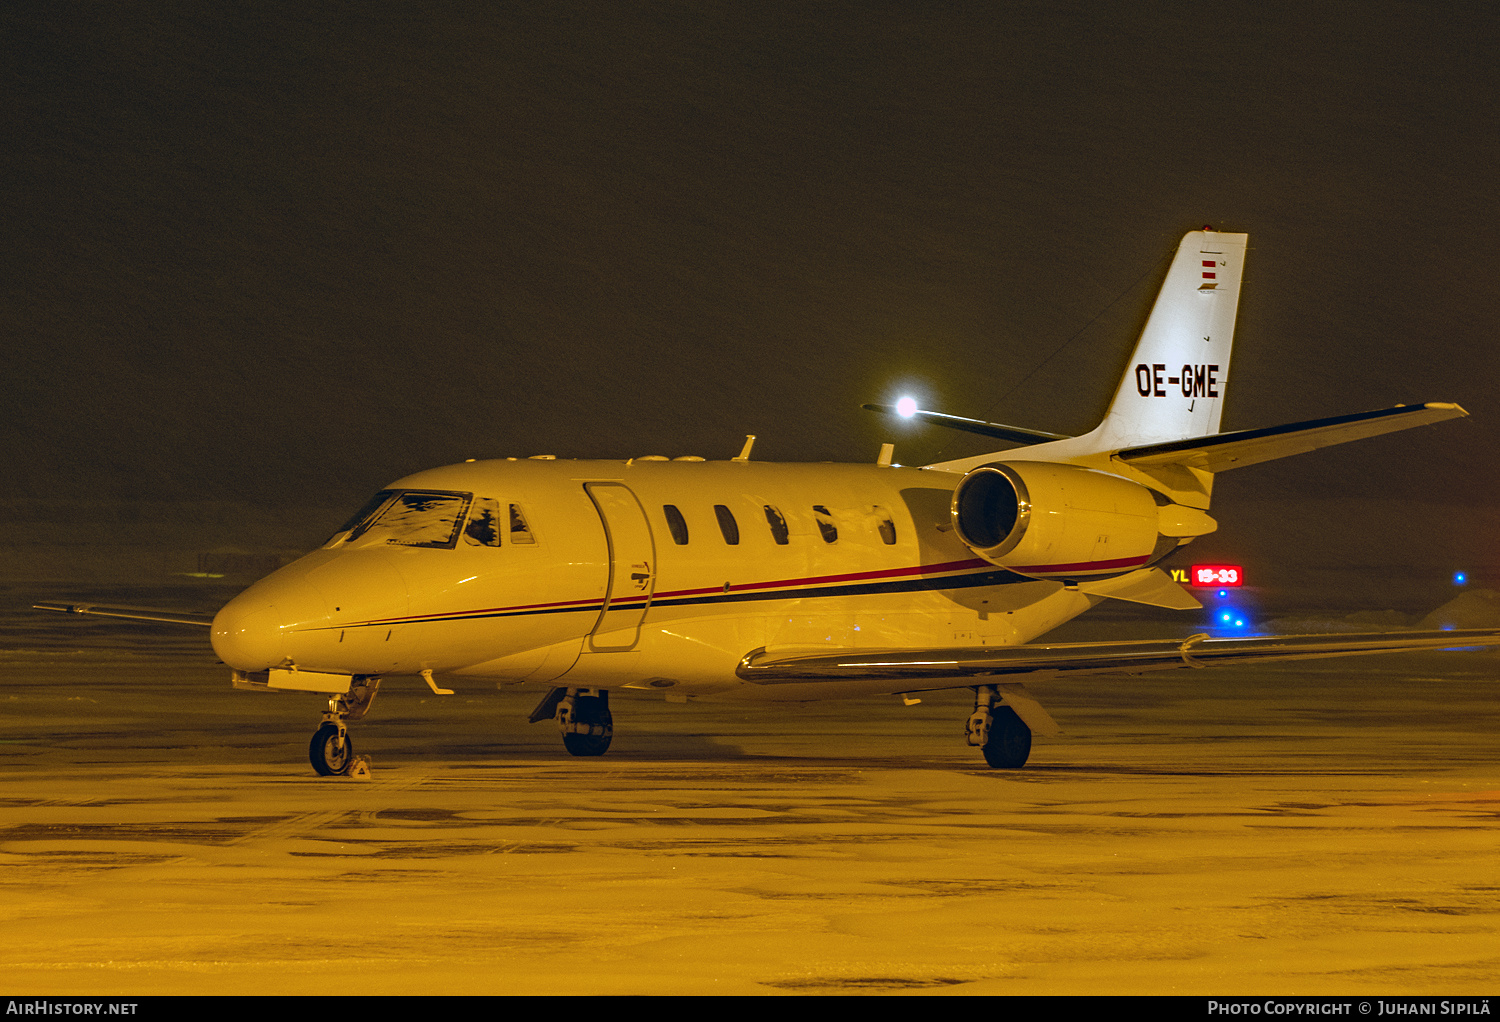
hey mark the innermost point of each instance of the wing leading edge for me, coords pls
(1220, 452)
(129, 613)
(957, 667)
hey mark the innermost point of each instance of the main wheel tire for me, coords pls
(1009, 743)
(587, 745)
(327, 758)
(590, 710)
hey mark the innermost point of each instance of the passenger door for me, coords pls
(632, 567)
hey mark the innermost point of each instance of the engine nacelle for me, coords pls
(1056, 521)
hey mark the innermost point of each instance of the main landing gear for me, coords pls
(584, 717)
(332, 750)
(1002, 736)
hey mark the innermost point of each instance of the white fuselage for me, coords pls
(605, 595)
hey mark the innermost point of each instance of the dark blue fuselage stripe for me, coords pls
(905, 585)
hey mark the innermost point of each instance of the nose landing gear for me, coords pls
(332, 750)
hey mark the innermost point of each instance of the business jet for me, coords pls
(740, 579)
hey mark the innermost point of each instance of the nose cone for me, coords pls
(247, 635)
(252, 630)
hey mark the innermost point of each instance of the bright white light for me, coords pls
(906, 407)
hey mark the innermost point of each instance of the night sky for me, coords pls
(282, 254)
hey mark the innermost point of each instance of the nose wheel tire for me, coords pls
(328, 755)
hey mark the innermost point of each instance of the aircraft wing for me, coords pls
(916, 669)
(131, 613)
(1223, 451)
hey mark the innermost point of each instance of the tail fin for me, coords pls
(1174, 386)
(1164, 419)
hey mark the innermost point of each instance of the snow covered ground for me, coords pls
(1326, 828)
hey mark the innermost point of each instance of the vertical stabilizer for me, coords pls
(1174, 385)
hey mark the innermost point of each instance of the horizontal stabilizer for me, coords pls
(131, 613)
(1150, 586)
(1223, 451)
(994, 430)
(912, 669)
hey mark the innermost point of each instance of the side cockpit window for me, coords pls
(417, 518)
(485, 523)
(520, 531)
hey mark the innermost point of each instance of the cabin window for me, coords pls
(826, 524)
(885, 526)
(778, 525)
(727, 525)
(484, 523)
(676, 524)
(520, 532)
(417, 518)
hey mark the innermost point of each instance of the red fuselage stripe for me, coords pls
(790, 583)
(921, 569)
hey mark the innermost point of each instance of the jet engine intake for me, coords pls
(1056, 521)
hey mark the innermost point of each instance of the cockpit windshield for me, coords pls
(421, 518)
(374, 504)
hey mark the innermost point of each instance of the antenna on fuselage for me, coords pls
(745, 451)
